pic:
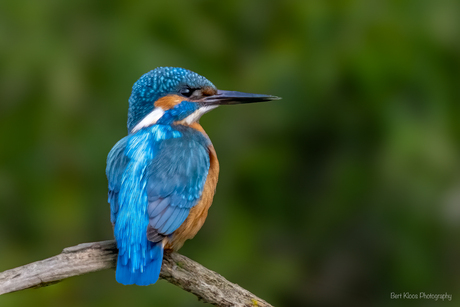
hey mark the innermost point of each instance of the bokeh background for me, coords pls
(346, 190)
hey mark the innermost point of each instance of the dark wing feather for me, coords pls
(176, 178)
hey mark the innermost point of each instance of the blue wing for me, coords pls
(176, 177)
(116, 165)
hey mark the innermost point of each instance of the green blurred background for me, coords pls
(346, 190)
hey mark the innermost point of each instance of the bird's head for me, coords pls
(169, 95)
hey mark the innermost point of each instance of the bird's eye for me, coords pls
(186, 91)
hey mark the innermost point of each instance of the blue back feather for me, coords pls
(155, 176)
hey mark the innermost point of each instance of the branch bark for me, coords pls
(177, 269)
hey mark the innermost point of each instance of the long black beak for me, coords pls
(232, 97)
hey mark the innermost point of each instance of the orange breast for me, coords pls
(199, 212)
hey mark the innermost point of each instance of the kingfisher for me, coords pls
(162, 176)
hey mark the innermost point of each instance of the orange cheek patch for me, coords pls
(168, 102)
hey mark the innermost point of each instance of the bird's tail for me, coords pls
(139, 265)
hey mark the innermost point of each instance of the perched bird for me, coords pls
(162, 176)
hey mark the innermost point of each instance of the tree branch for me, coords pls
(84, 258)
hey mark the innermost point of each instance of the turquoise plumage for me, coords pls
(162, 175)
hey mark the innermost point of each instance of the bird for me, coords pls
(162, 176)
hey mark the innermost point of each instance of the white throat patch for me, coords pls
(150, 119)
(195, 116)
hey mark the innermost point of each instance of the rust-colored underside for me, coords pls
(199, 212)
